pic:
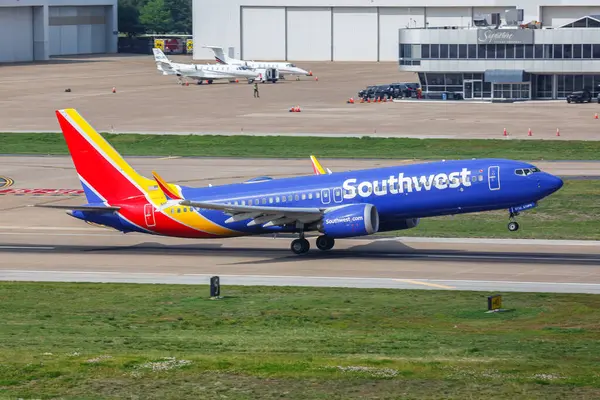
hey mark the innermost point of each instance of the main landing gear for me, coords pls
(302, 246)
(513, 225)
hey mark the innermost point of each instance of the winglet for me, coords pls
(317, 168)
(166, 188)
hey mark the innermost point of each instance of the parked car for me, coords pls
(580, 96)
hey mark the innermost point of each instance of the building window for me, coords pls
(453, 51)
(543, 89)
(424, 51)
(577, 51)
(490, 51)
(548, 51)
(443, 51)
(596, 51)
(434, 50)
(462, 51)
(558, 51)
(567, 51)
(500, 51)
(519, 51)
(472, 51)
(586, 51)
(510, 51)
(538, 51)
(529, 51)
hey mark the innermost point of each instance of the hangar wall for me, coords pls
(36, 29)
(305, 27)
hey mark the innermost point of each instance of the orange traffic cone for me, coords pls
(237, 81)
(309, 73)
(362, 99)
(385, 99)
(316, 78)
(529, 132)
(596, 116)
(368, 99)
(505, 133)
(297, 108)
(351, 101)
(557, 132)
(114, 90)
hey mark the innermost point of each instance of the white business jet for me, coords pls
(264, 68)
(206, 72)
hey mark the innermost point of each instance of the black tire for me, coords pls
(325, 243)
(300, 246)
(513, 226)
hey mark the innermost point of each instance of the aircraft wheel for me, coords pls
(325, 243)
(300, 246)
(513, 226)
(210, 81)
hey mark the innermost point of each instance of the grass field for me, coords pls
(90, 341)
(288, 146)
(571, 213)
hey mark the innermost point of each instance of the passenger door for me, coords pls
(149, 215)
(494, 178)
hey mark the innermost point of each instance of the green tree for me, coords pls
(181, 14)
(129, 18)
(156, 17)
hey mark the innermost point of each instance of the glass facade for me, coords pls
(501, 51)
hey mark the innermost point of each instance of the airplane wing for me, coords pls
(259, 215)
(97, 209)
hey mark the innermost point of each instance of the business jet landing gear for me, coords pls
(325, 243)
(513, 225)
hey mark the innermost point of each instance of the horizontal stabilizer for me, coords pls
(97, 209)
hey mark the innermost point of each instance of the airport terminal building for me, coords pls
(33, 30)
(505, 62)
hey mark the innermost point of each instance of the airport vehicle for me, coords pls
(337, 205)
(198, 72)
(262, 67)
(580, 96)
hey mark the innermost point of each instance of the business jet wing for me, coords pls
(260, 215)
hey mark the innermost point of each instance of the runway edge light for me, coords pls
(495, 303)
(215, 288)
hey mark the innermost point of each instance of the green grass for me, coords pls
(90, 341)
(571, 213)
(288, 146)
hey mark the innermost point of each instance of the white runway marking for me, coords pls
(304, 281)
(27, 248)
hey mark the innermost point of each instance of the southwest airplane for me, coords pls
(200, 72)
(338, 205)
(284, 68)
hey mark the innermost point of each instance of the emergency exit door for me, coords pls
(494, 178)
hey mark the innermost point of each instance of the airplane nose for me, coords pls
(551, 184)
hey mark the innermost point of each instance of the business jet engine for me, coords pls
(349, 221)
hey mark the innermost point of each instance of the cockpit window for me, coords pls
(291, 65)
(526, 171)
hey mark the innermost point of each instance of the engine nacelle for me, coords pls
(349, 221)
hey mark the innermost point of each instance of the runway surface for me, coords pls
(47, 245)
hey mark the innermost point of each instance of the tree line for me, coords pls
(155, 16)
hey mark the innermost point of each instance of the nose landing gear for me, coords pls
(513, 225)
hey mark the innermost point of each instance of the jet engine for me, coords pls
(349, 221)
(399, 224)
